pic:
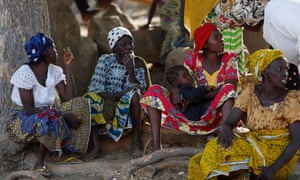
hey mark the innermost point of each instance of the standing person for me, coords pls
(115, 90)
(107, 8)
(281, 28)
(211, 67)
(176, 34)
(268, 151)
(34, 114)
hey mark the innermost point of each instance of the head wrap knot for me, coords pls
(117, 33)
(36, 47)
(260, 60)
(201, 36)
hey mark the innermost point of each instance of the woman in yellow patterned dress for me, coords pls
(268, 151)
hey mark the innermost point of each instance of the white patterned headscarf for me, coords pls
(250, 12)
(117, 33)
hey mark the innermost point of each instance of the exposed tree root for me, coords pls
(156, 157)
(150, 170)
(25, 174)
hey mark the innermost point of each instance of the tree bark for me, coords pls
(19, 20)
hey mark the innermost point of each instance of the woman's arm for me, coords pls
(226, 133)
(67, 90)
(286, 155)
(118, 95)
(27, 101)
(193, 94)
(175, 94)
(211, 94)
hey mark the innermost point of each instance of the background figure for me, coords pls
(122, 4)
(281, 28)
(114, 92)
(34, 116)
(86, 8)
(269, 150)
(210, 66)
(107, 8)
(176, 34)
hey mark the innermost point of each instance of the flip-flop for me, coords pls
(72, 160)
(116, 176)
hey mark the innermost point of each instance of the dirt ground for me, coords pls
(116, 158)
(109, 164)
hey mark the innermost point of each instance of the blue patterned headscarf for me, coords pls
(36, 47)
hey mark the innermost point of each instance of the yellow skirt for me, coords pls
(258, 149)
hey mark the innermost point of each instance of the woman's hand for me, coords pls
(185, 103)
(175, 96)
(72, 120)
(128, 61)
(226, 136)
(210, 88)
(68, 56)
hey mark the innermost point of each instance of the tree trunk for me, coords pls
(19, 20)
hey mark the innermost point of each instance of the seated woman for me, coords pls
(211, 67)
(114, 92)
(34, 114)
(268, 151)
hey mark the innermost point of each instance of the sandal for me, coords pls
(72, 160)
(64, 159)
(116, 176)
(43, 171)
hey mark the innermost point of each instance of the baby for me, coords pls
(192, 99)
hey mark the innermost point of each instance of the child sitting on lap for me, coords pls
(192, 103)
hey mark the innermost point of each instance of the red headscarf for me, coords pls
(201, 35)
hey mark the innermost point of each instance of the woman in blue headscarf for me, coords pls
(34, 115)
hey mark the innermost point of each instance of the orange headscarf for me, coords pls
(201, 35)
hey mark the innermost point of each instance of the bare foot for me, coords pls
(42, 169)
(38, 165)
(136, 153)
(95, 153)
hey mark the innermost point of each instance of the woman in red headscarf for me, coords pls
(210, 66)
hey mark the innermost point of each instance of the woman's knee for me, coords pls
(229, 103)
